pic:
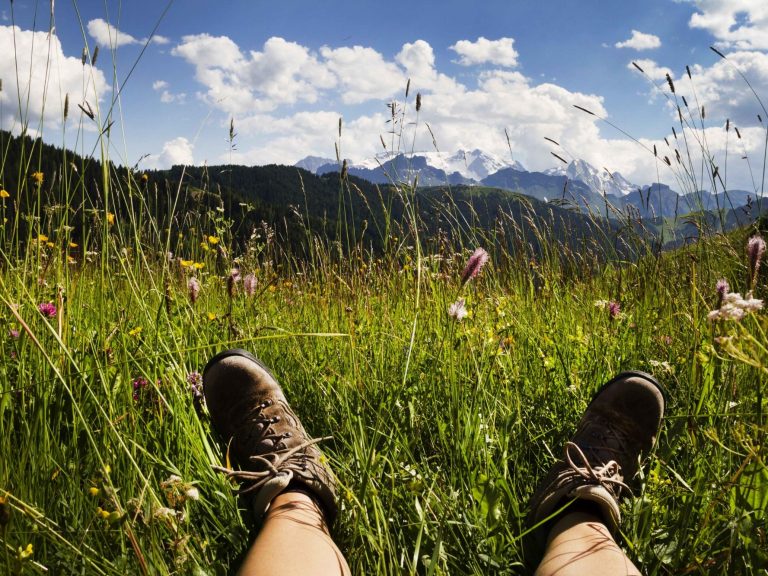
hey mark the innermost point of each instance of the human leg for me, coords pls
(292, 493)
(617, 430)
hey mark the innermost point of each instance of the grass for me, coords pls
(440, 428)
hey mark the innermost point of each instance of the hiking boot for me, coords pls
(618, 429)
(264, 438)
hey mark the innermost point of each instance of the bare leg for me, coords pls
(579, 543)
(294, 541)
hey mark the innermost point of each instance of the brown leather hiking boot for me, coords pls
(618, 429)
(264, 438)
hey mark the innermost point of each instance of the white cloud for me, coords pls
(107, 35)
(500, 52)
(46, 75)
(640, 41)
(178, 151)
(166, 96)
(363, 73)
(159, 85)
(739, 24)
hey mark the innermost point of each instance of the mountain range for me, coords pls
(578, 184)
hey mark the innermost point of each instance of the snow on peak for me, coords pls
(600, 181)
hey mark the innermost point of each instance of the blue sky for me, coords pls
(285, 72)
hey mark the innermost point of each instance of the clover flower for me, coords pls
(47, 309)
(139, 384)
(477, 260)
(614, 309)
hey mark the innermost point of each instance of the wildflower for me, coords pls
(110, 218)
(135, 332)
(211, 316)
(213, 240)
(139, 384)
(93, 491)
(4, 193)
(73, 245)
(232, 280)
(38, 177)
(13, 333)
(42, 238)
(144, 177)
(475, 263)
(186, 263)
(101, 512)
(193, 287)
(47, 309)
(457, 310)
(198, 265)
(722, 289)
(192, 493)
(249, 285)
(734, 307)
(195, 381)
(614, 309)
(755, 251)
(25, 552)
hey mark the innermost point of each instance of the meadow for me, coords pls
(440, 425)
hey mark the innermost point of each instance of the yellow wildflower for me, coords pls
(71, 260)
(72, 245)
(110, 218)
(211, 316)
(38, 177)
(186, 263)
(93, 491)
(135, 332)
(4, 193)
(198, 265)
(107, 469)
(101, 512)
(50, 244)
(213, 240)
(144, 177)
(26, 552)
(42, 238)
(272, 288)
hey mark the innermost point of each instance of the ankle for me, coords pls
(298, 506)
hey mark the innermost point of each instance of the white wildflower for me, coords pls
(458, 310)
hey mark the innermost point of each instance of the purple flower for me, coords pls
(195, 381)
(755, 251)
(232, 280)
(138, 385)
(13, 333)
(722, 287)
(475, 263)
(193, 287)
(249, 285)
(47, 309)
(614, 309)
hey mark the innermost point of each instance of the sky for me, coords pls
(503, 76)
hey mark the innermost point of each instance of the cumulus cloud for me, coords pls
(274, 94)
(178, 151)
(166, 96)
(500, 52)
(46, 76)
(640, 41)
(738, 24)
(107, 35)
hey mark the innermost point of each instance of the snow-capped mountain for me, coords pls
(600, 181)
(472, 164)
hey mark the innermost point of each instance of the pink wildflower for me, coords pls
(193, 286)
(755, 251)
(13, 333)
(249, 285)
(47, 309)
(614, 309)
(195, 381)
(475, 263)
(457, 310)
(138, 385)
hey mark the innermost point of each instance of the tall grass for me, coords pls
(440, 428)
